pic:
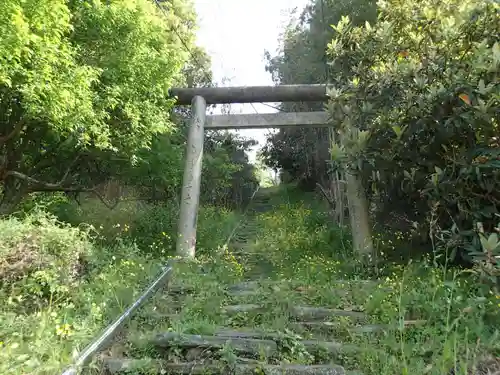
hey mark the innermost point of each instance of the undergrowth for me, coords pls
(438, 319)
(61, 284)
(85, 275)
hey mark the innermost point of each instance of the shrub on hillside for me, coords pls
(41, 259)
(110, 224)
(130, 221)
(40, 332)
(150, 227)
(419, 105)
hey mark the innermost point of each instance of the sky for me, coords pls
(235, 33)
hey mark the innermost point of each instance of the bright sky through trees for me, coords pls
(236, 33)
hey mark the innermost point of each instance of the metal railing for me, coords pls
(101, 342)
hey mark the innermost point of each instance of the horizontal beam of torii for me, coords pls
(252, 94)
(267, 120)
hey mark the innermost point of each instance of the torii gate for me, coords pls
(199, 98)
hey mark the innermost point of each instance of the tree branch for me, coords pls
(17, 129)
(330, 201)
(42, 186)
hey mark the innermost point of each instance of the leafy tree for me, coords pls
(301, 152)
(227, 164)
(227, 176)
(419, 99)
(82, 85)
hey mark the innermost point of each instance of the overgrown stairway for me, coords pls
(243, 350)
(257, 326)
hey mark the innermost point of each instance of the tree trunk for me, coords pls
(338, 193)
(358, 213)
(12, 196)
(12, 190)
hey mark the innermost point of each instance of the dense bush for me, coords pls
(151, 227)
(228, 177)
(419, 103)
(41, 259)
(59, 289)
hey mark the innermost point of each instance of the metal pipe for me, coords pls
(252, 94)
(105, 338)
(186, 234)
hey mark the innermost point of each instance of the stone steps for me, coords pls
(127, 366)
(239, 345)
(247, 288)
(255, 285)
(242, 351)
(297, 312)
(243, 345)
(367, 328)
(253, 350)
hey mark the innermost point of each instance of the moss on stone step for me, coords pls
(124, 365)
(241, 345)
(298, 312)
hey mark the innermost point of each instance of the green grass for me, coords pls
(295, 246)
(293, 243)
(51, 312)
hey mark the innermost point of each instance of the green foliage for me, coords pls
(297, 227)
(459, 328)
(215, 224)
(228, 177)
(460, 317)
(55, 303)
(138, 57)
(304, 153)
(41, 259)
(88, 102)
(293, 244)
(40, 77)
(264, 174)
(152, 229)
(43, 340)
(83, 88)
(422, 85)
(159, 170)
